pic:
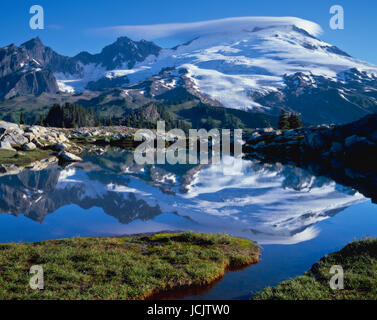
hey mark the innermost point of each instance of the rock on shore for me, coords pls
(31, 144)
(346, 153)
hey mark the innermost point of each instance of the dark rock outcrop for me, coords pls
(33, 82)
(123, 51)
(323, 100)
(347, 153)
(30, 68)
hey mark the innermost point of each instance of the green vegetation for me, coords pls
(24, 158)
(147, 117)
(70, 116)
(295, 121)
(208, 117)
(22, 118)
(184, 110)
(283, 120)
(359, 262)
(289, 121)
(31, 106)
(120, 268)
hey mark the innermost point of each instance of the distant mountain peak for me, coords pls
(258, 64)
(35, 42)
(123, 39)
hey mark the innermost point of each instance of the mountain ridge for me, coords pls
(257, 64)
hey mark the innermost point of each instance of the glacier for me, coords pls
(232, 60)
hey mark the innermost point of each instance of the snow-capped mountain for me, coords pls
(253, 63)
(23, 69)
(237, 64)
(33, 58)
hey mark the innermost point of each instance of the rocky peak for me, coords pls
(25, 69)
(33, 43)
(123, 53)
(36, 51)
(355, 75)
(124, 50)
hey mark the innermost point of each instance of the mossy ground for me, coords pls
(120, 268)
(359, 262)
(12, 157)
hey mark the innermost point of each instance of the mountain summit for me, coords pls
(259, 64)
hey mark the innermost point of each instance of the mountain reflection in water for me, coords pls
(269, 203)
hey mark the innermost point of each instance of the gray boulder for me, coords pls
(6, 146)
(60, 147)
(68, 157)
(37, 130)
(30, 136)
(317, 141)
(37, 143)
(4, 126)
(353, 140)
(15, 139)
(336, 147)
(29, 146)
(9, 169)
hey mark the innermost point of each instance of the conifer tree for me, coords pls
(295, 121)
(22, 118)
(42, 120)
(70, 116)
(283, 120)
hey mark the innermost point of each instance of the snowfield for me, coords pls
(230, 60)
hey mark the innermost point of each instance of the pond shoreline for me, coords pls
(357, 261)
(131, 268)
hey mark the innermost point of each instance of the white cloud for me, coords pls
(188, 31)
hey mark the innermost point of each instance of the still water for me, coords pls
(295, 216)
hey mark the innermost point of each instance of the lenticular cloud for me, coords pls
(188, 31)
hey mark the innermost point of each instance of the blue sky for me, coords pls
(70, 24)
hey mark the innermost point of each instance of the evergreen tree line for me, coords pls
(137, 120)
(73, 115)
(209, 117)
(289, 120)
(69, 116)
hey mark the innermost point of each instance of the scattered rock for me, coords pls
(9, 169)
(5, 126)
(38, 144)
(20, 154)
(60, 147)
(350, 141)
(346, 153)
(29, 146)
(6, 146)
(99, 151)
(61, 138)
(30, 136)
(15, 138)
(317, 140)
(68, 157)
(36, 130)
(336, 147)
